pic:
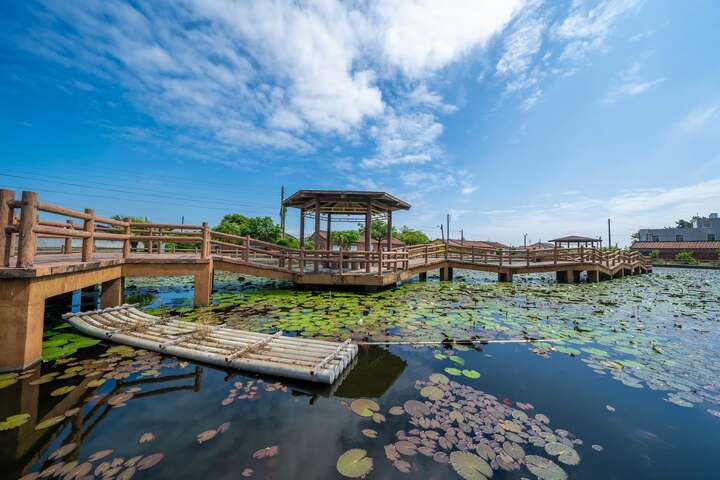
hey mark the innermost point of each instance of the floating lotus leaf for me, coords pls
(471, 374)
(126, 474)
(416, 408)
(52, 421)
(62, 451)
(544, 468)
(205, 436)
(364, 407)
(369, 432)
(440, 356)
(432, 392)
(378, 418)
(540, 417)
(402, 466)
(224, 427)
(266, 452)
(457, 359)
(453, 371)
(146, 437)
(80, 471)
(469, 466)
(569, 457)
(406, 448)
(44, 379)
(597, 448)
(396, 410)
(62, 391)
(14, 421)
(439, 378)
(149, 461)
(556, 448)
(354, 463)
(98, 455)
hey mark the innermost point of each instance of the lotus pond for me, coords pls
(464, 380)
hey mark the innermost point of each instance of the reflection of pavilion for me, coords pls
(23, 446)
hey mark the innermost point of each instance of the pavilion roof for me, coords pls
(575, 238)
(345, 201)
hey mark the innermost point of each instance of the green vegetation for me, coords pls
(344, 238)
(259, 228)
(655, 254)
(686, 257)
(412, 237)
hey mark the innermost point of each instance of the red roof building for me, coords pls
(700, 250)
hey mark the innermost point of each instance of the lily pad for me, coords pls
(453, 371)
(354, 463)
(14, 421)
(473, 374)
(432, 392)
(544, 468)
(52, 421)
(364, 407)
(62, 390)
(469, 466)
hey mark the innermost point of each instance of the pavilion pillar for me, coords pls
(328, 234)
(317, 232)
(302, 227)
(368, 227)
(389, 230)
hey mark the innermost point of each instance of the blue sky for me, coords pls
(516, 117)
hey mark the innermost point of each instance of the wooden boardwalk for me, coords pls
(113, 250)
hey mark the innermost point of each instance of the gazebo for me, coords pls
(577, 240)
(345, 206)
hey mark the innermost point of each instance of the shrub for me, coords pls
(685, 257)
(655, 254)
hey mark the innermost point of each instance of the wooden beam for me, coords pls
(6, 217)
(389, 230)
(368, 239)
(317, 229)
(302, 228)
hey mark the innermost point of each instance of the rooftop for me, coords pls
(345, 201)
(575, 238)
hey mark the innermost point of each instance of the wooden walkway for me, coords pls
(112, 250)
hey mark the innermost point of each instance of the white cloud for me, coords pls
(630, 84)
(421, 36)
(700, 117)
(629, 211)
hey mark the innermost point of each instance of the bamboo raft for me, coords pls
(298, 358)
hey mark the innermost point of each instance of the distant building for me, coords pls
(538, 246)
(702, 229)
(477, 243)
(668, 250)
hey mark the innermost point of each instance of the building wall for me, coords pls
(703, 229)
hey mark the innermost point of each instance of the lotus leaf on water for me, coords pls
(99, 455)
(544, 468)
(146, 437)
(14, 421)
(149, 461)
(472, 374)
(453, 371)
(415, 408)
(432, 392)
(469, 466)
(62, 390)
(49, 422)
(364, 407)
(354, 463)
(369, 432)
(439, 378)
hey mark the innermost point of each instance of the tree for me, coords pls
(129, 218)
(344, 238)
(413, 237)
(683, 224)
(288, 241)
(685, 257)
(655, 254)
(378, 231)
(635, 236)
(259, 228)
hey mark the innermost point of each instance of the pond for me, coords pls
(471, 379)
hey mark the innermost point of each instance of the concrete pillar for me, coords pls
(450, 273)
(593, 276)
(570, 276)
(111, 293)
(21, 324)
(505, 276)
(443, 274)
(423, 276)
(203, 285)
(576, 276)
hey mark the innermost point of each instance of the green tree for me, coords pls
(683, 224)
(344, 238)
(378, 231)
(129, 218)
(288, 241)
(685, 257)
(413, 237)
(259, 228)
(655, 254)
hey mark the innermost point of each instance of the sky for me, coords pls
(537, 118)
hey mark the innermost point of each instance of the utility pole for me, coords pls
(283, 211)
(525, 240)
(448, 227)
(462, 238)
(442, 234)
(609, 237)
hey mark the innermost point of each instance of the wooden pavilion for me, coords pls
(577, 241)
(346, 206)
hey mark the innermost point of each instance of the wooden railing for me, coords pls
(23, 222)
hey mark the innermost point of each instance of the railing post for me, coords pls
(89, 242)
(27, 242)
(582, 254)
(426, 252)
(380, 259)
(527, 257)
(6, 217)
(247, 248)
(302, 259)
(67, 246)
(340, 264)
(126, 242)
(501, 255)
(472, 254)
(555, 254)
(205, 245)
